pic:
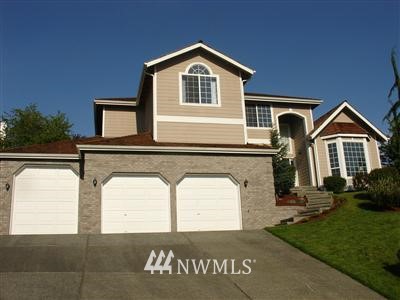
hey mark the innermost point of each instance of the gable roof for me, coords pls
(200, 45)
(322, 122)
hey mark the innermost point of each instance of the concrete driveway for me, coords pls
(112, 267)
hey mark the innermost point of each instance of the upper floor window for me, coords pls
(199, 86)
(258, 115)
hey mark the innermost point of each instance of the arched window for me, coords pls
(199, 86)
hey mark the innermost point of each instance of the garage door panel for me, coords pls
(137, 203)
(45, 201)
(208, 203)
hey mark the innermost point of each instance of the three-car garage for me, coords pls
(46, 200)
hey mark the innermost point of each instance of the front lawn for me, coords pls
(357, 239)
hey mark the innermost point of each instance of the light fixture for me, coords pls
(94, 182)
(246, 183)
(7, 186)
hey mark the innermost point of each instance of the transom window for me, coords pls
(199, 86)
(354, 157)
(334, 159)
(258, 115)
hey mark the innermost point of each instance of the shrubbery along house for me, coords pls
(190, 152)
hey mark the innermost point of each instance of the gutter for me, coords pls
(173, 149)
(43, 156)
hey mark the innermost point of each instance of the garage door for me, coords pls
(45, 201)
(135, 203)
(208, 203)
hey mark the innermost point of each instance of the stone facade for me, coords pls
(257, 199)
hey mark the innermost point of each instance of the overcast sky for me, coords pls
(63, 54)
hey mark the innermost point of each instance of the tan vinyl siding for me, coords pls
(373, 154)
(253, 133)
(344, 117)
(200, 133)
(119, 121)
(168, 88)
(323, 158)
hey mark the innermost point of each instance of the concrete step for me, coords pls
(318, 200)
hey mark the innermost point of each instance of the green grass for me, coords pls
(356, 239)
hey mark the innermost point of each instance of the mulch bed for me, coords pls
(290, 200)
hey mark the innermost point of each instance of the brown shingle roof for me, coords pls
(338, 127)
(278, 96)
(145, 139)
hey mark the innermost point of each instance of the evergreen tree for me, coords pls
(284, 172)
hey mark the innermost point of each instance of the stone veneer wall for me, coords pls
(257, 200)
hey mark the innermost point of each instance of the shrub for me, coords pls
(378, 174)
(385, 192)
(360, 181)
(335, 184)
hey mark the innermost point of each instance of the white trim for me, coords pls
(282, 99)
(246, 138)
(103, 120)
(259, 141)
(353, 110)
(185, 119)
(342, 161)
(317, 162)
(155, 116)
(218, 104)
(195, 46)
(312, 118)
(5, 155)
(198, 63)
(176, 149)
(378, 153)
(355, 135)
(114, 102)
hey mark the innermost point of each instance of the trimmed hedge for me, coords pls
(335, 184)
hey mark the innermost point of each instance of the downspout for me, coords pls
(312, 143)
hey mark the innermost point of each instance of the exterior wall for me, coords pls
(257, 200)
(375, 160)
(230, 101)
(201, 133)
(322, 158)
(119, 121)
(7, 171)
(344, 117)
(258, 133)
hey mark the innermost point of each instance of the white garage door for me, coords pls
(135, 203)
(208, 203)
(45, 201)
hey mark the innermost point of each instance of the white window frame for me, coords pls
(342, 162)
(258, 127)
(181, 74)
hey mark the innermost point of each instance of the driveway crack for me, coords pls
(84, 266)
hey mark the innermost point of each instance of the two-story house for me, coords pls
(190, 152)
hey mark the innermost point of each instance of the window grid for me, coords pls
(354, 157)
(334, 159)
(201, 87)
(258, 115)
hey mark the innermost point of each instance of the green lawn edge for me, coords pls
(279, 233)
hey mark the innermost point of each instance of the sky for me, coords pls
(63, 54)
